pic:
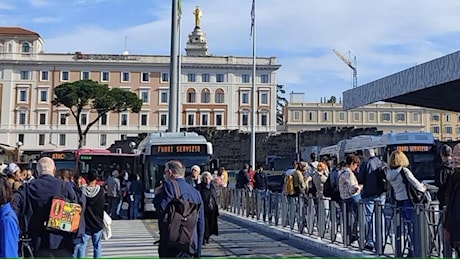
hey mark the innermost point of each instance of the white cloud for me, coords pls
(6, 6)
(38, 3)
(45, 19)
(300, 33)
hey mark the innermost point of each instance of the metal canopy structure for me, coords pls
(434, 84)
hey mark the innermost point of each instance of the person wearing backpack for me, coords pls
(372, 178)
(179, 239)
(9, 224)
(395, 174)
(442, 174)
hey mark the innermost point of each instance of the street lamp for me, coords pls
(18, 150)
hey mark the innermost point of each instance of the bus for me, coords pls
(106, 163)
(160, 147)
(419, 147)
(68, 158)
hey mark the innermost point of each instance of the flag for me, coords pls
(253, 16)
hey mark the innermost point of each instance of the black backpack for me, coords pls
(180, 220)
(329, 191)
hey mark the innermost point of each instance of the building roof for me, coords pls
(17, 31)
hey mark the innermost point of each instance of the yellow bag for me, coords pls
(64, 216)
(289, 184)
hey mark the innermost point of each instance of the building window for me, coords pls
(218, 120)
(401, 117)
(204, 119)
(264, 119)
(325, 116)
(63, 119)
(371, 116)
(103, 119)
(41, 139)
(123, 137)
(458, 129)
(310, 116)
(191, 96)
(205, 77)
(245, 118)
(205, 96)
(25, 47)
(84, 119)
(44, 75)
(264, 98)
(245, 97)
(125, 77)
(245, 78)
(386, 117)
(105, 76)
(341, 116)
(163, 96)
(42, 118)
(296, 115)
(124, 119)
(64, 76)
(163, 119)
(356, 116)
(415, 117)
(219, 96)
(219, 77)
(24, 75)
(435, 117)
(190, 119)
(62, 139)
(84, 75)
(191, 77)
(43, 95)
(264, 78)
(103, 140)
(21, 138)
(448, 129)
(145, 77)
(447, 117)
(23, 95)
(435, 129)
(164, 77)
(22, 117)
(145, 96)
(144, 119)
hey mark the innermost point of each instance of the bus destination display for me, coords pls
(190, 149)
(60, 156)
(413, 148)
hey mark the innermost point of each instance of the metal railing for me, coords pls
(396, 232)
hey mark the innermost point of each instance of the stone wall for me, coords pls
(232, 147)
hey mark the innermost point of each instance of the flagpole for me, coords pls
(254, 92)
(179, 74)
(173, 111)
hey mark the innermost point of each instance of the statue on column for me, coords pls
(198, 15)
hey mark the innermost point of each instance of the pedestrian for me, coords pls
(94, 215)
(135, 193)
(13, 172)
(9, 224)
(194, 178)
(371, 177)
(451, 229)
(113, 194)
(45, 243)
(225, 193)
(164, 194)
(443, 173)
(211, 210)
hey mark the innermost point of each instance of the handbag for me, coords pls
(107, 230)
(64, 215)
(416, 196)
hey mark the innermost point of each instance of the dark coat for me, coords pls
(161, 201)
(453, 208)
(242, 179)
(40, 193)
(442, 174)
(260, 180)
(211, 209)
(369, 174)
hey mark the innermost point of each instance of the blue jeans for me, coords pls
(369, 217)
(351, 220)
(114, 208)
(406, 209)
(134, 206)
(80, 249)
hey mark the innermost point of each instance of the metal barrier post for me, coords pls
(284, 206)
(278, 198)
(321, 216)
(398, 226)
(362, 225)
(345, 224)
(379, 230)
(301, 215)
(420, 230)
(333, 217)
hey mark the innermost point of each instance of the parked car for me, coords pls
(275, 182)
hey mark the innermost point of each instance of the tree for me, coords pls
(88, 94)
(280, 102)
(332, 100)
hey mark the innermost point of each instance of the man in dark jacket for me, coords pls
(242, 178)
(443, 172)
(371, 176)
(40, 192)
(174, 170)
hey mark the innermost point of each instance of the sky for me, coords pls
(385, 37)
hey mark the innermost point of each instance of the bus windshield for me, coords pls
(64, 165)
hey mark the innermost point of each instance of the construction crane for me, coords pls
(351, 64)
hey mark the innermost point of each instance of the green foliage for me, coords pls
(280, 102)
(97, 97)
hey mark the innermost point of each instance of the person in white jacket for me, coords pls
(398, 164)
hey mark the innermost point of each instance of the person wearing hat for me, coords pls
(13, 173)
(443, 172)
